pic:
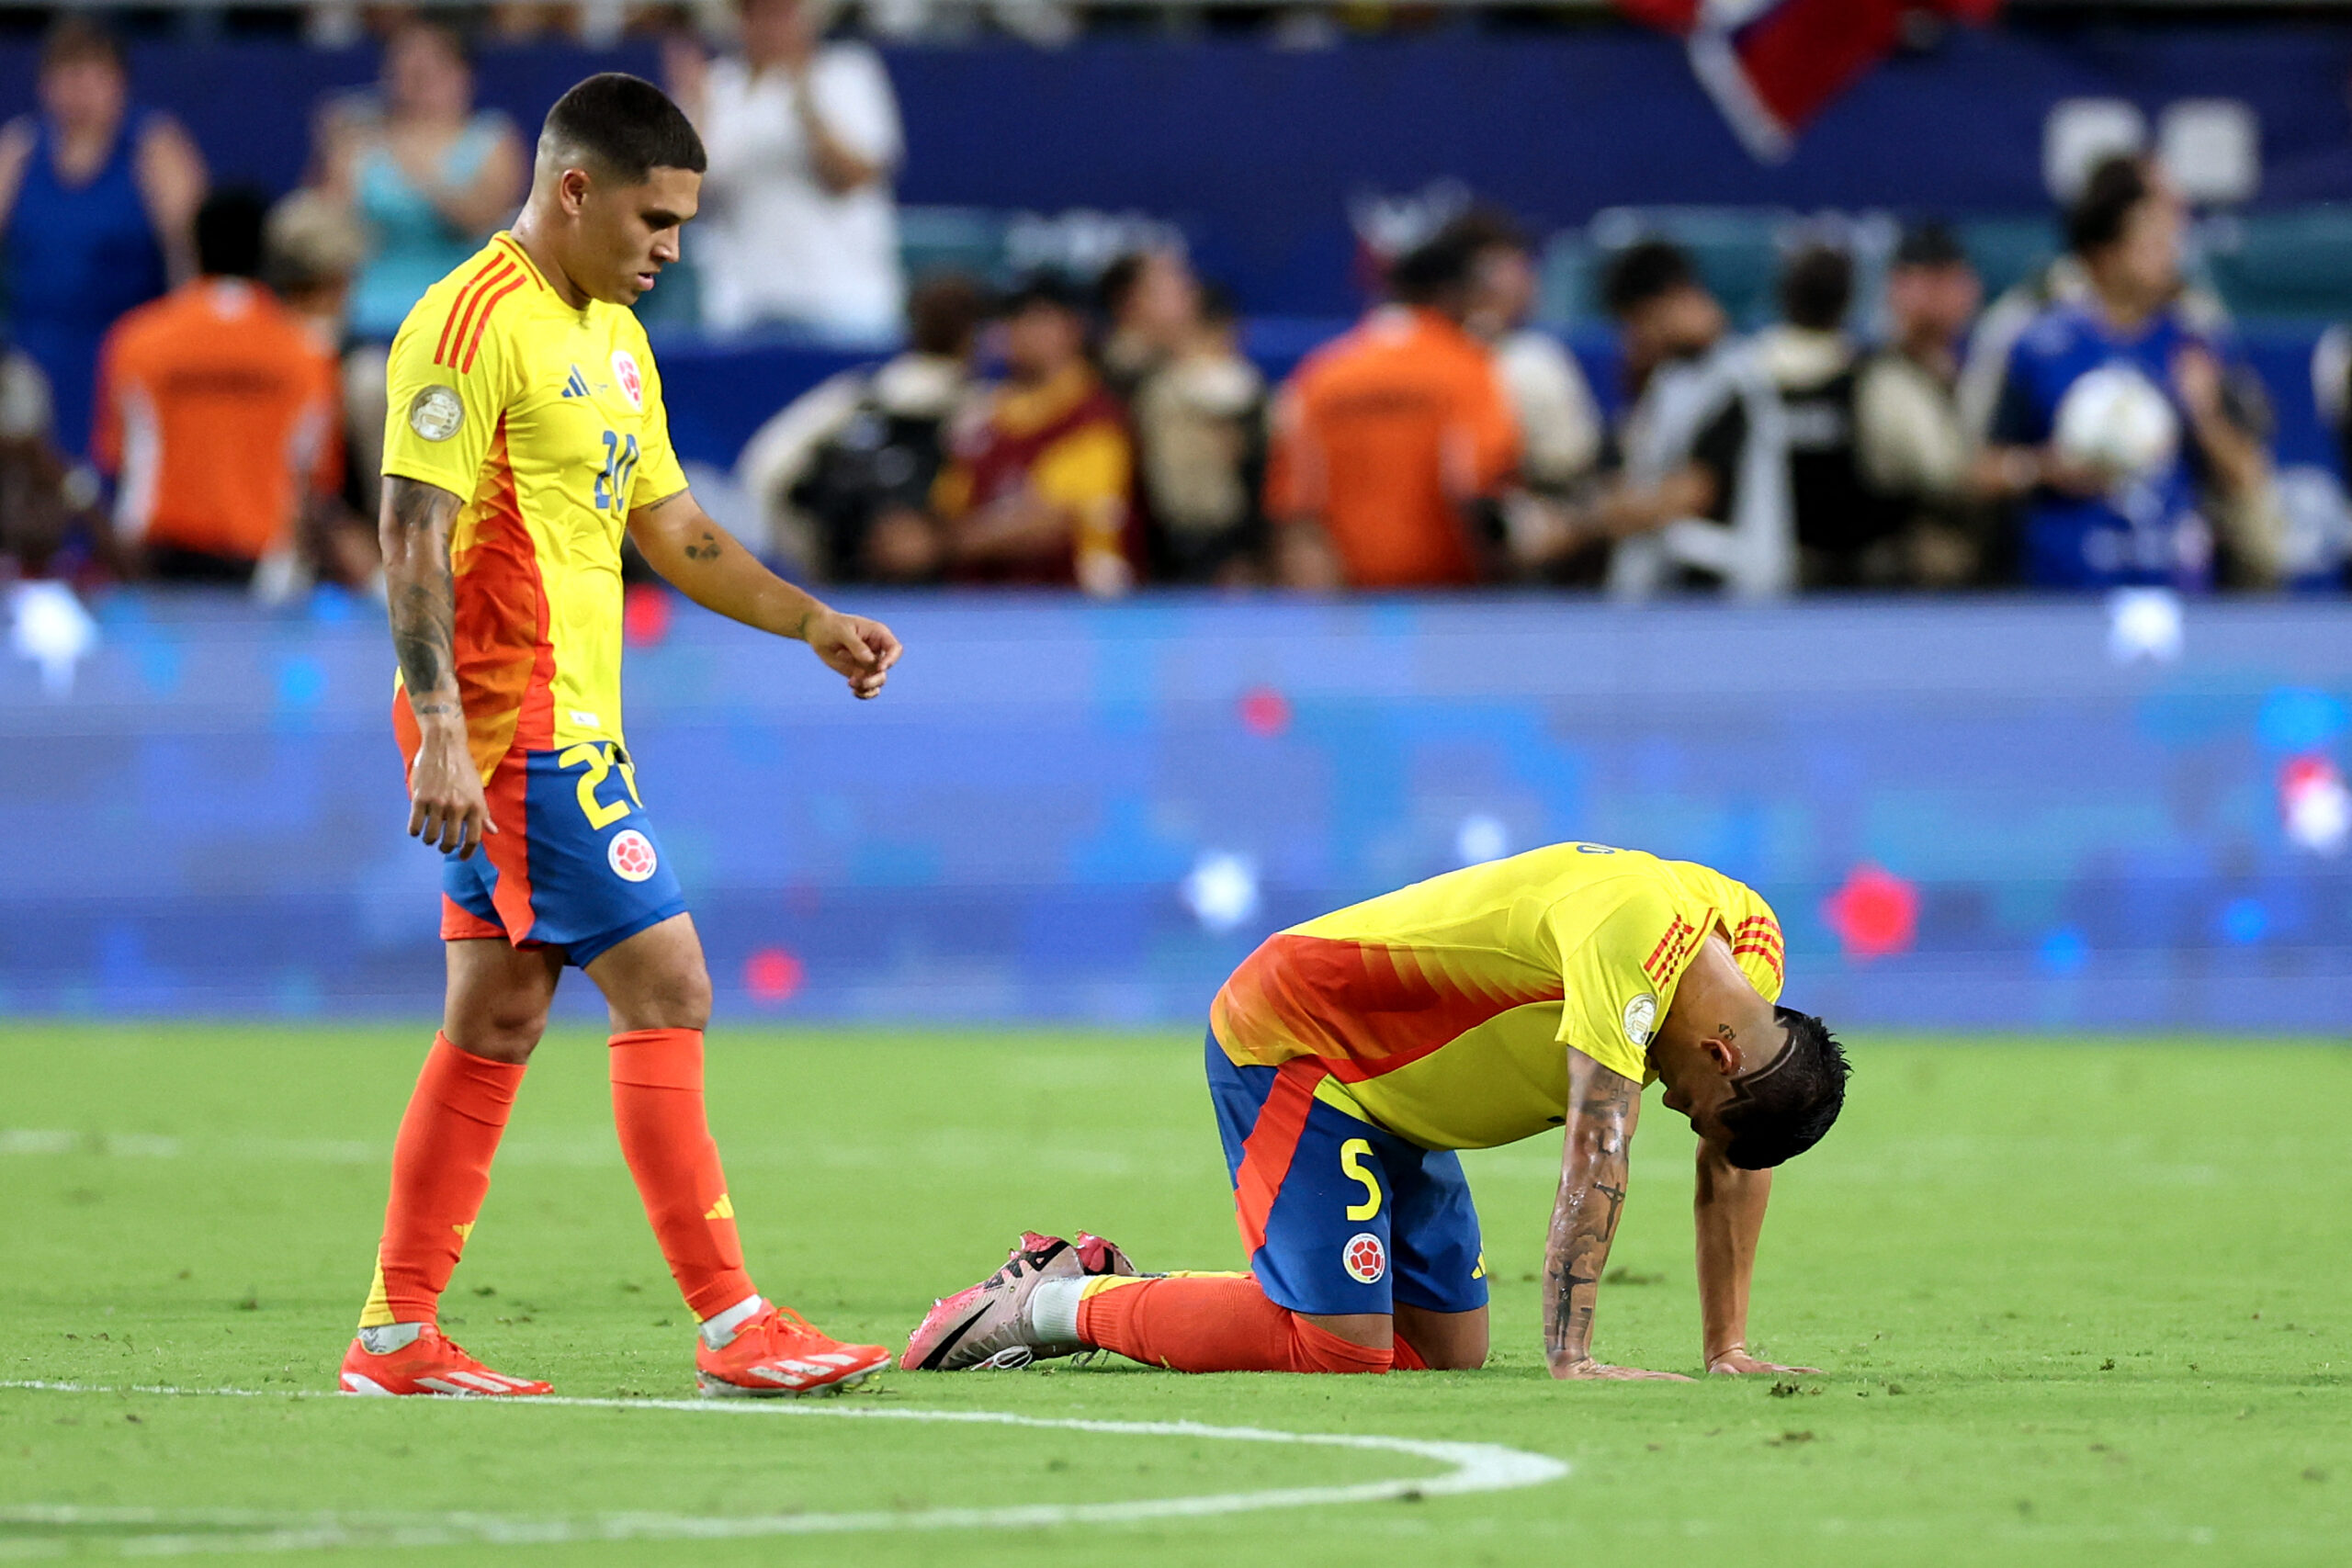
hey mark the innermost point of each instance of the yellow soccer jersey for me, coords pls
(548, 422)
(1442, 1009)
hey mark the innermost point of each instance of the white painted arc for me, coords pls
(1474, 1467)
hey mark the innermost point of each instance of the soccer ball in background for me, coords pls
(2116, 419)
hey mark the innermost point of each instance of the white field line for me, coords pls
(1476, 1467)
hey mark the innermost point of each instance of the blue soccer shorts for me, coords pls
(574, 864)
(1339, 1215)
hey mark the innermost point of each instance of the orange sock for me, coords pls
(1212, 1323)
(440, 1175)
(1405, 1357)
(658, 1108)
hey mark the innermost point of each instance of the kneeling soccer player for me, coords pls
(527, 437)
(1349, 1058)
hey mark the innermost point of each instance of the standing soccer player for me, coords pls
(527, 433)
(1350, 1056)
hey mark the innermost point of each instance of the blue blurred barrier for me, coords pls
(1996, 816)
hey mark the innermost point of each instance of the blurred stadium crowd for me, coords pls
(193, 383)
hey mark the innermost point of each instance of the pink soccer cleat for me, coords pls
(987, 1326)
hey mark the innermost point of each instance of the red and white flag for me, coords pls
(1771, 65)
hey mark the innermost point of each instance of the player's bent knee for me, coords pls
(498, 1043)
(503, 1028)
(668, 1001)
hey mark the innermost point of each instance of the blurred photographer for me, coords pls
(1560, 423)
(1200, 430)
(843, 475)
(1914, 451)
(1701, 499)
(43, 504)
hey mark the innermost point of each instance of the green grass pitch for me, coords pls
(2077, 1302)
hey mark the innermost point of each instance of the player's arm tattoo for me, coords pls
(1603, 1110)
(710, 565)
(421, 592)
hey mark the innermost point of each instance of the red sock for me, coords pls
(1213, 1323)
(658, 1108)
(440, 1174)
(1405, 1359)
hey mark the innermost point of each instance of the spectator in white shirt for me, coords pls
(797, 222)
(1560, 423)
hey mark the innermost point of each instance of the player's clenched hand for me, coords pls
(1739, 1363)
(446, 808)
(853, 646)
(1586, 1370)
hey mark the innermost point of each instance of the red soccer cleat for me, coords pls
(431, 1363)
(781, 1352)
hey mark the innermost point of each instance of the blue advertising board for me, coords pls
(1973, 815)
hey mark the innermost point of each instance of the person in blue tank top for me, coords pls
(427, 178)
(426, 174)
(96, 196)
(2112, 418)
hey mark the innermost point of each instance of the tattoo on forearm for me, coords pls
(1592, 1196)
(420, 636)
(423, 600)
(709, 549)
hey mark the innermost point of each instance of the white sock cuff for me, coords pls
(718, 1328)
(390, 1336)
(1053, 1310)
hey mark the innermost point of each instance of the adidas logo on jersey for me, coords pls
(577, 386)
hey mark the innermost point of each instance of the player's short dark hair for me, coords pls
(1438, 269)
(1817, 288)
(229, 227)
(2116, 186)
(625, 126)
(1643, 271)
(1780, 1112)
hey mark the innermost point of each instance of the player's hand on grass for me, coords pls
(1737, 1362)
(446, 808)
(863, 651)
(1586, 1370)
